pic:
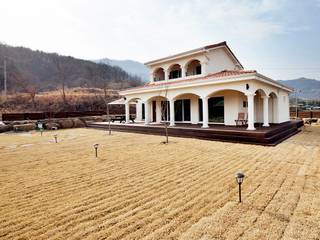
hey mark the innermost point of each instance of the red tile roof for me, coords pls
(224, 73)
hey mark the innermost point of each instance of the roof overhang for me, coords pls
(207, 81)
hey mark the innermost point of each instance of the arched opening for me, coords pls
(258, 106)
(159, 109)
(175, 71)
(135, 109)
(193, 68)
(273, 108)
(224, 106)
(158, 75)
(186, 108)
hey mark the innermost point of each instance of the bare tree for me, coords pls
(165, 113)
(32, 91)
(62, 74)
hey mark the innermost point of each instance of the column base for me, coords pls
(251, 128)
(172, 125)
(265, 125)
(205, 126)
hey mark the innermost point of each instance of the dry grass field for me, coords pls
(138, 188)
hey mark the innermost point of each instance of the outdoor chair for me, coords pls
(242, 119)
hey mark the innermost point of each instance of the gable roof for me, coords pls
(197, 50)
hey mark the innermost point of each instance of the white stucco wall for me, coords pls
(219, 60)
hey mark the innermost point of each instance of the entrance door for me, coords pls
(182, 110)
(154, 111)
(216, 109)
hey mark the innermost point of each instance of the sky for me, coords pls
(278, 38)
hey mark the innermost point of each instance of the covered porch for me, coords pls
(221, 107)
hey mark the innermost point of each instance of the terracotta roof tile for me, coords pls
(224, 73)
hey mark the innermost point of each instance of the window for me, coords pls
(182, 110)
(143, 111)
(175, 74)
(216, 109)
(244, 104)
(165, 111)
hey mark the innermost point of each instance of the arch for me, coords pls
(222, 90)
(175, 71)
(261, 92)
(187, 94)
(133, 99)
(273, 108)
(225, 104)
(193, 67)
(158, 74)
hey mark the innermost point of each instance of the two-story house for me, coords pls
(207, 85)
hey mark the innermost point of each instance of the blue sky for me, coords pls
(279, 38)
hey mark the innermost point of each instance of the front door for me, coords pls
(182, 110)
(216, 109)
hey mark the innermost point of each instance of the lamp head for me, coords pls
(239, 177)
(96, 146)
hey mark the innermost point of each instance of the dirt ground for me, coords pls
(138, 188)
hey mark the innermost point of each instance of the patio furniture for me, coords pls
(242, 119)
(121, 118)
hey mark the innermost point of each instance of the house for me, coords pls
(207, 85)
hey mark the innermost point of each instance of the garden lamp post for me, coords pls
(239, 178)
(40, 127)
(55, 138)
(96, 148)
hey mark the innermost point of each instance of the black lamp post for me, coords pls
(96, 148)
(239, 178)
(55, 138)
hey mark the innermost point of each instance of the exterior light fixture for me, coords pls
(96, 148)
(55, 138)
(247, 86)
(239, 177)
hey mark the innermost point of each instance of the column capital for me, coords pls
(265, 97)
(250, 94)
(204, 97)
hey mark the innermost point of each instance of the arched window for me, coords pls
(158, 75)
(193, 68)
(175, 71)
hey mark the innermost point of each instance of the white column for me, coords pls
(250, 97)
(147, 112)
(158, 111)
(166, 74)
(171, 112)
(205, 112)
(183, 70)
(127, 110)
(265, 111)
(194, 110)
(139, 111)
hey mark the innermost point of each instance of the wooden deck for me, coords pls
(268, 136)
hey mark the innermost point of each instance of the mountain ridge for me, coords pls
(41, 71)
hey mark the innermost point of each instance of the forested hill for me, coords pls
(40, 71)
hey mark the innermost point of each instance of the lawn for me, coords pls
(139, 188)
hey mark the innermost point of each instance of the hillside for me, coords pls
(40, 71)
(132, 67)
(306, 88)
